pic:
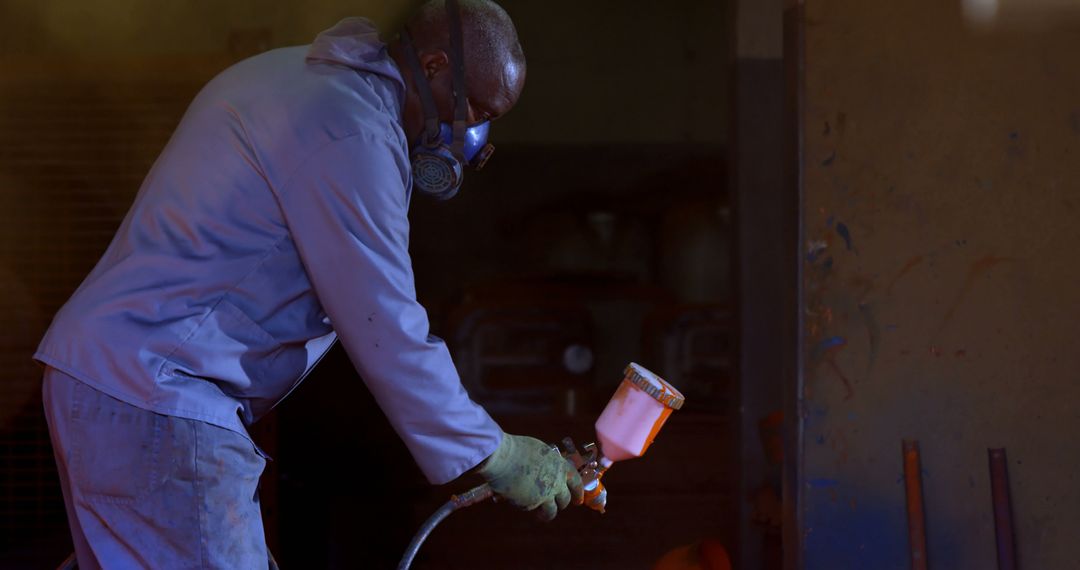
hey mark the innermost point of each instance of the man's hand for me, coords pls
(532, 475)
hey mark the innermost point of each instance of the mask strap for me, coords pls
(431, 136)
(457, 52)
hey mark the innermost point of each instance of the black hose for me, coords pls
(470, 497)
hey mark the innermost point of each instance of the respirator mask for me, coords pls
(444, 149)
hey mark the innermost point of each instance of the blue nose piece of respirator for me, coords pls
(475, 142)
(437, 172)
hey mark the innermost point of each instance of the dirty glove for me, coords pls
(532, 475)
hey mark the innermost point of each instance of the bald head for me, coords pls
(492, 50)
(494, 60)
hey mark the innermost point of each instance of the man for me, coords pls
(274, 223)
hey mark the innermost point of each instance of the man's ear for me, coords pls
(433, 61)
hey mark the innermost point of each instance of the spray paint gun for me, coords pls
(624, 430)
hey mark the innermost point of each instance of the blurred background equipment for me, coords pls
(523, 355)
(695, 346)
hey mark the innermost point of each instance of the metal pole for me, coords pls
(1003, 519)
(915, 513)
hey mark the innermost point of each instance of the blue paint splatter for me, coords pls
(820, 440)
(825, 345)
(842, 229)
(828, 264)
(1014, 135)
(832, 342)
(822, 483)
(829, 222)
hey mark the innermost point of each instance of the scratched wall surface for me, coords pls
(941, 282)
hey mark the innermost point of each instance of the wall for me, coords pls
(940, 278)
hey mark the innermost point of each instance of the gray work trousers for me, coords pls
(145, 490)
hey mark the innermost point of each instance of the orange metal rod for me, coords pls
(915, 513)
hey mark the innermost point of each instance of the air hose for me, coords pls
(470, 497)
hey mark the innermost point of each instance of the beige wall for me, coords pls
(941, 300)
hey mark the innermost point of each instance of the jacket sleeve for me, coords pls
(347, 212)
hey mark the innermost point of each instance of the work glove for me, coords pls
(532, 475)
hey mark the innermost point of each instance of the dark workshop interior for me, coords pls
(844, 229)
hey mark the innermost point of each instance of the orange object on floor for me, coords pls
(707, 554)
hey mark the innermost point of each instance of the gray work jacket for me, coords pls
(273, 223)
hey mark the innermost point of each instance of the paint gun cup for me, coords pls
(628, 425)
